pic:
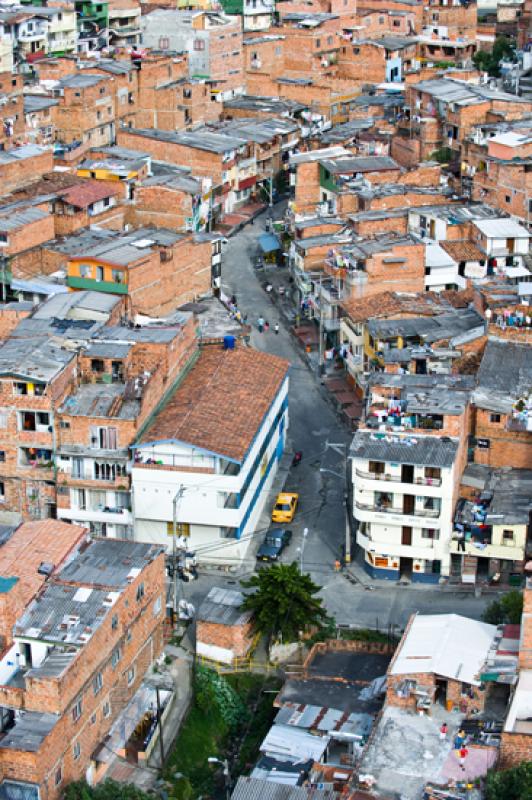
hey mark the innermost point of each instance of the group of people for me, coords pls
(459, 744)
(263, 326)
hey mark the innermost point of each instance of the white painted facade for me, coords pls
(258, 14)
(378, 508)
(221, 500)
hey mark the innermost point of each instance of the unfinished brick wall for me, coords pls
(508, 448)
(237, 638)
(514, 750)
(16, 174)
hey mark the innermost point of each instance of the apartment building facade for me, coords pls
(69, 675)
(210, 466)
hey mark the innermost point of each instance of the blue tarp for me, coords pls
(268, 242)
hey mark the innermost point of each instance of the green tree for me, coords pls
(510, 784)
(284, 602)
(489, 62)
(107, 790)
(506, 609)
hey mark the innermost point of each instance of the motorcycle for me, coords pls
(296, 460)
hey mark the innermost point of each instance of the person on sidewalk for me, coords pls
(266, 326)
(443, 732)
(276, 327)
(260, 324)
(462, 753)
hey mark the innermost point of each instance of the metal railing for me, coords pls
(374, 476)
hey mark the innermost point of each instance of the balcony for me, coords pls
(432, 513)
(374, 476)
(116, 516)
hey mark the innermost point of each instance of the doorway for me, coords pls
(441, 691)
(407, 473)
(406, 568)
(406, 535)
(408, 503)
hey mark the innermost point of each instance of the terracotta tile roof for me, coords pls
(463, 250)
(387, 304)
(221, 403)
(33, 543)
(89, 192)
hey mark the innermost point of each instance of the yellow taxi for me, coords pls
(285, 507)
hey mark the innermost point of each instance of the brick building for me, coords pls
(177, 268)
(86, 110)
(21, 165)
(502, 426)
(224, 630)
(80, 652)
(516, 739)
(124, 375)
(212, 40)
(439, 660)
(12, 121)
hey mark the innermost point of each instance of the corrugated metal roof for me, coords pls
(422, 450)
(223, 606)
(255, 789)
(293, 744)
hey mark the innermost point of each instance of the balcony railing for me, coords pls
(374, 476)
(416, 512)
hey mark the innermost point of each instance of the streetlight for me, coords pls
(227, 775)
(301, 549)
(175, 501)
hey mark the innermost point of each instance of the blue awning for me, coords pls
(268, 242)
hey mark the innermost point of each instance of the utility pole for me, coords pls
(302, 549)
(270, 183)
(320, 343)
(177, 497)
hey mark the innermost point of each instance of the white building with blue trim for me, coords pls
(212, 453)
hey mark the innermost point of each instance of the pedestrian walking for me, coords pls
(461, 541)
(462, 754)
(260, 324)
(443, 732)
(459, 740)
(276, 327)
(337, 566)
(266, 326)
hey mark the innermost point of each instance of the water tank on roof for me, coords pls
(229, 342)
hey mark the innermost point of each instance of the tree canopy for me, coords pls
(489, 62)
(506, 609)
(284, 603)
(107, 790)
(510, 784)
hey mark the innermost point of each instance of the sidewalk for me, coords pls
(234, 222)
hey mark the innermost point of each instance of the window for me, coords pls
(396, 23)
(495, 417)
(130, 675)
(58, 776)
(2, 491)
(106, 710)
(329, 39)
(103, 438)
(381, 20)
(114, 622)
(430, 533)
(199, 44)
(129, 636)
(507, 537)
(93, 719)
(3, 418)
(97, 365)
(318, 42)
(76, 751)
(140, 592)
(182, 528)
(77, 709)
(116, 656)
(97, 682)
(117, 276)
(85, 270)
(157, 603)
(64, 425)
(377, 467)
(2, 456)
(102, 90)
(507, 198)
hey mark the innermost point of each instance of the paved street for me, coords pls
(318, 432)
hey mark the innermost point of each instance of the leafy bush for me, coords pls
(510, 784)
(213, 693)
(107, 790)
(506, 609)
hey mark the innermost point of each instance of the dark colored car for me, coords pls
(274, 544)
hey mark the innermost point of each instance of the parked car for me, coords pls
(285, 507)
(273, 545)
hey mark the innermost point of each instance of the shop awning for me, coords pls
(268, 243)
